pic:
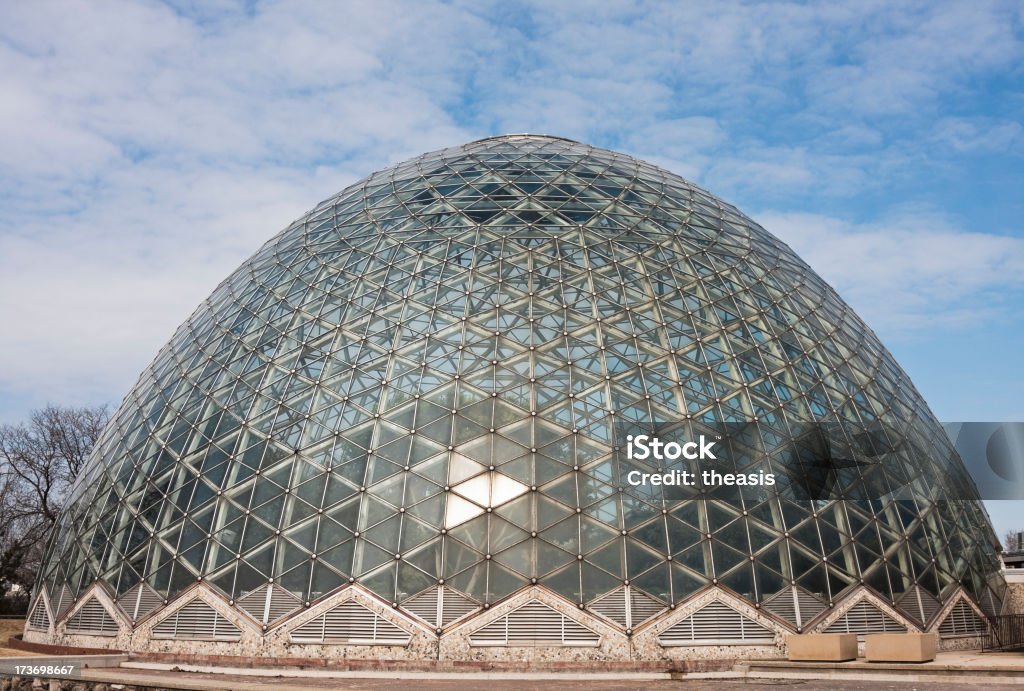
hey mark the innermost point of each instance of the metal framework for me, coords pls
(429, 381)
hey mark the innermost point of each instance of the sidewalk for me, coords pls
(948, 671)
(966, 666)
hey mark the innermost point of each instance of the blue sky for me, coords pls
(146, 149)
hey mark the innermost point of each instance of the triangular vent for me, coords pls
(989, 603)
(440, 606)
(39, 620)
(62, 603)
(642, 607)
(919, 604)
(425, 605)
(795, 605)
(962, 621)
(92, 619)
(716, 624)
(626, 606)
(140, 601)
(534, 624)
(269, 603)
(864, 618)
(282, 602)
(612, 607)
(350, 623)
(455, 605)
(197, 621)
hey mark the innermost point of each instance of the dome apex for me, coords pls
(514, 136)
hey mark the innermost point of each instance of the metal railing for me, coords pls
(1006, 632)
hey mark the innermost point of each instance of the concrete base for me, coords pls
(946, 670)
(823, 647)
(900, 647)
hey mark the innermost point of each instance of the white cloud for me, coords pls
(902, 62)
(979, 134)
(143, 156)
(910, 272)
(146, 149)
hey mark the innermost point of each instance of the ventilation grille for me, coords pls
(919, 604)
(627, 607)
(454, 606)
(282, 603)
(39, 620)
(350, 623)
(197, 620)
(864, 618)
(795, 605)
(989, 603)
(92, 619)
(534, 624)
(716, 624)
(62, 603)
(425, 605)
(613, 607)
(140, 601)
(962, 620)
(440, 606)
(269, 603)
(929, 605)
(641, 607)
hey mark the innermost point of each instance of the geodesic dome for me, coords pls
(403, 423)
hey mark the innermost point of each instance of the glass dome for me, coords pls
(433, 378)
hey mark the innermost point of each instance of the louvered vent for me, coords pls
(716, 624)
(92, 619)
(795, 605)
(929, 605)
(269, 603)
(353, 624)
(864, 618)
(282, 603)
(62, 603)
(919, 604)
(990, 604)
(783, 604)
(255, 603)
(612, 606)
(455, 605)
(197, 621)
(425, 605)
(626, 606)
(534, 624)
(641, 607)
(39, 620)
(140, 601)
(962, 621)
(440, 606)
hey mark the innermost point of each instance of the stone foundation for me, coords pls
(608, 642)
(1014, 601)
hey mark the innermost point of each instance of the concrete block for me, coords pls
(825, 647)
(900, 647)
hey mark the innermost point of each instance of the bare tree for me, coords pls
(39, 459)
(1013, 540)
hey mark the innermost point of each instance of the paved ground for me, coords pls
(209, 682)
(9, 627)
(995, 671)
